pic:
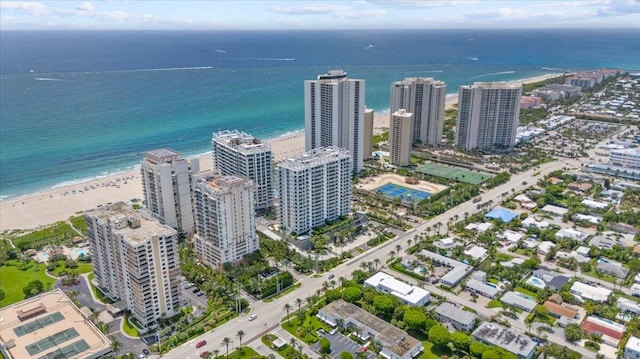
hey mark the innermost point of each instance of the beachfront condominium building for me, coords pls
(368, 134)
(314, 187)
(488, 115)
(400, 137)
(236, 153)
(135, 260)
(425, 99)
(334, 114)
(225, 220)
(167, 186)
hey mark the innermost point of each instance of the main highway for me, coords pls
(269, 314)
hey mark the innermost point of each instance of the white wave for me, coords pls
(47, 79)
(495, 73)
(274, 58)
(221, 51)
(472, 58)
(554, 69)
(158, 69)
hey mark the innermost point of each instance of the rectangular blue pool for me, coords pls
(408, 194)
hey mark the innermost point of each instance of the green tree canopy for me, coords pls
(461, 341)
(476, 349)
(439, 336)
(346, 355)
(414, 318)
(352, 294)
(573, 332)
(384, 304)
(325, 346)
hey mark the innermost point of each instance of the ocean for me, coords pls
(78, 105)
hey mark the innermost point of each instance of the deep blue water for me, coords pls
(96, 100)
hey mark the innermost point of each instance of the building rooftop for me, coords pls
(496, 334)
(162, 155)
(482, 287)
(394, 339)
(593, 324)
(520, 300)
(560, 211)
(633, 344)
(50, 326)
(316, 156)
(240, 141)
(590, 292)
(402, 290)
(136, 226)
(560, 309)
(503, 214)
(452, 312)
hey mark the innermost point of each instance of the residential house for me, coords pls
(610, 332)
(571, 233)
(612, 267)
(407, 293)
(553, 280)
(588, 292)
(628, 306)
(632, 349)
(495, 334)
(519, 300)
(458, 270)
(460, 319)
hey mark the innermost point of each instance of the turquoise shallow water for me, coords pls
(96, 100)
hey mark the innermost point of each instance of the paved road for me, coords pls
(269, 314)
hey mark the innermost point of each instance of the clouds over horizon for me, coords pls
(348, 14)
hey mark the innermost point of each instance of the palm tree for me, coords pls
(215, 352)
(287, 307)
(392, 254)
(115, 344)
(239, 335)
(398, 248)
(376, 262)
(299, 301)
(292, 343)
(226, 341)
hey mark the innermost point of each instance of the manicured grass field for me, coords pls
(494, 303)
(431, 352)
(12, 280)
(82, 268)
(454, 173)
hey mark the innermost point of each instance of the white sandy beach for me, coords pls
(47, 207)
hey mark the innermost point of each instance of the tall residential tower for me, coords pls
(166, 182)
(488, 115)
(236, 153)
(225, 220)
(135, 259)
(400, 129)
(334, 114)
(425, 98)
(314, 187)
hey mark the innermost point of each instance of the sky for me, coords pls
(311, 15)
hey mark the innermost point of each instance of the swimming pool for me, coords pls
(394, 191)
(80, 252)
(536, 282)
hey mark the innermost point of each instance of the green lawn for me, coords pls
(603, 276)
(494, 303)
(129, 328)
(82, 268)
(431, 352)
(284, 292)
(97, 293)
(243, 353)
(12, 280)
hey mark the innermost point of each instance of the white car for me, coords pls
(253, 317)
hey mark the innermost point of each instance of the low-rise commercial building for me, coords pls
(407, 293)
(458, 270)
(457, 317)
(50, 326)
(495, 334)
(396, 343)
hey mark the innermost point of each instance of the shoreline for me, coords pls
(62, 201)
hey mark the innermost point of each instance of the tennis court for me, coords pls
(454, 173)
(394, 191)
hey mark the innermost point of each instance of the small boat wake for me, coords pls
(494, 74)
(472, 58)
(221, 51)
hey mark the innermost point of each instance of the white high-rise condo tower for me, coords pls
(425, 99)
(400, 130)
(314, 187)
(135, 259)
(237, 153)
(334, 114)
(225, 220)
(488, 116)
(167, 185)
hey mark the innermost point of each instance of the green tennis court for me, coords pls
(454, 173)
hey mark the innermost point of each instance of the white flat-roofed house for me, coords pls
(613, 268)
(571, 233)
(628, 306)
(636, 279)
(447, 243)
(594, 204)
(479, 227)
(408, 294)
(587, 218)
(635, 289)
(632, 349)
(482, 288)
(519, 300)
(555, 210)
(476, 252)
(587, 292)
(511, 236)
(532, 222)
(459, 318)
(458, 270)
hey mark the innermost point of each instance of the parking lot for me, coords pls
(192, 296)
(340, 343)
